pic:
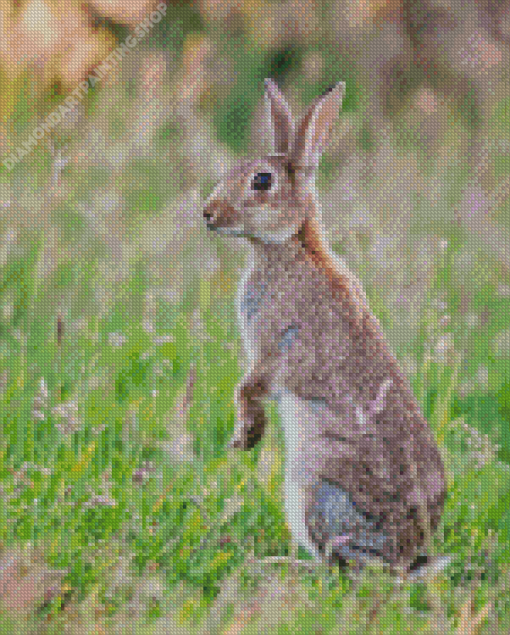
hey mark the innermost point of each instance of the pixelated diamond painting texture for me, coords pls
(255, 317)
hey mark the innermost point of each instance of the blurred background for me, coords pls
(426, 109)
(119, 350)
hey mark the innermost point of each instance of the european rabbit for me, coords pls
(363, 474)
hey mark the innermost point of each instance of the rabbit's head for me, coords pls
(270, 198)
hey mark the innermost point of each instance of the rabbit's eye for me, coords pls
(261, 181)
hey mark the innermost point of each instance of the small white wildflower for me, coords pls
(444, 321)
(94, 382)
(43, 388)
(198, 327)
(482, 376)
(211, 263)
(163, 339)
(471, 320)
(232, 506)
(466, 387)
(116, 339)
(8, 310)
(65, 409)
(143, 472)
(67, 413)
(181, 448)
(361, 218)
(501, 343)
(171, 295)
(465, 262)
(503, 290)
(444, 346)
(382, 250)
(148, 326)
(101, 501)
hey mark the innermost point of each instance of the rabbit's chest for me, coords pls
(251, 296)
(276, 313)
(253, 292)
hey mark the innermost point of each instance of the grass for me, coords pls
(88, 482)
(121, 511)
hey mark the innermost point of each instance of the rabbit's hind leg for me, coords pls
(342, 531)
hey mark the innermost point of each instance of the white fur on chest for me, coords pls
(294, 414)
(248, 302)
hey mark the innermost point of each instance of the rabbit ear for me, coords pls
(279, 118)
(315, 128)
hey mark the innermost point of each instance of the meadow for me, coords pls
(121, 511)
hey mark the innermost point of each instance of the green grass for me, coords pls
(93, 486)
(113, 468)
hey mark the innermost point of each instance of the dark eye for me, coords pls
(261, 181)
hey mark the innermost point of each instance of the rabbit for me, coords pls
(364, 477)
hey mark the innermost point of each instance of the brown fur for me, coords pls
(351, 419)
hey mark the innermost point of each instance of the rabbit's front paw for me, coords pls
(251, 422)
(251, 419)
(246, 435)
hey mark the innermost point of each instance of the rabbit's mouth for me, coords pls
(228, 231)
(219, 216)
